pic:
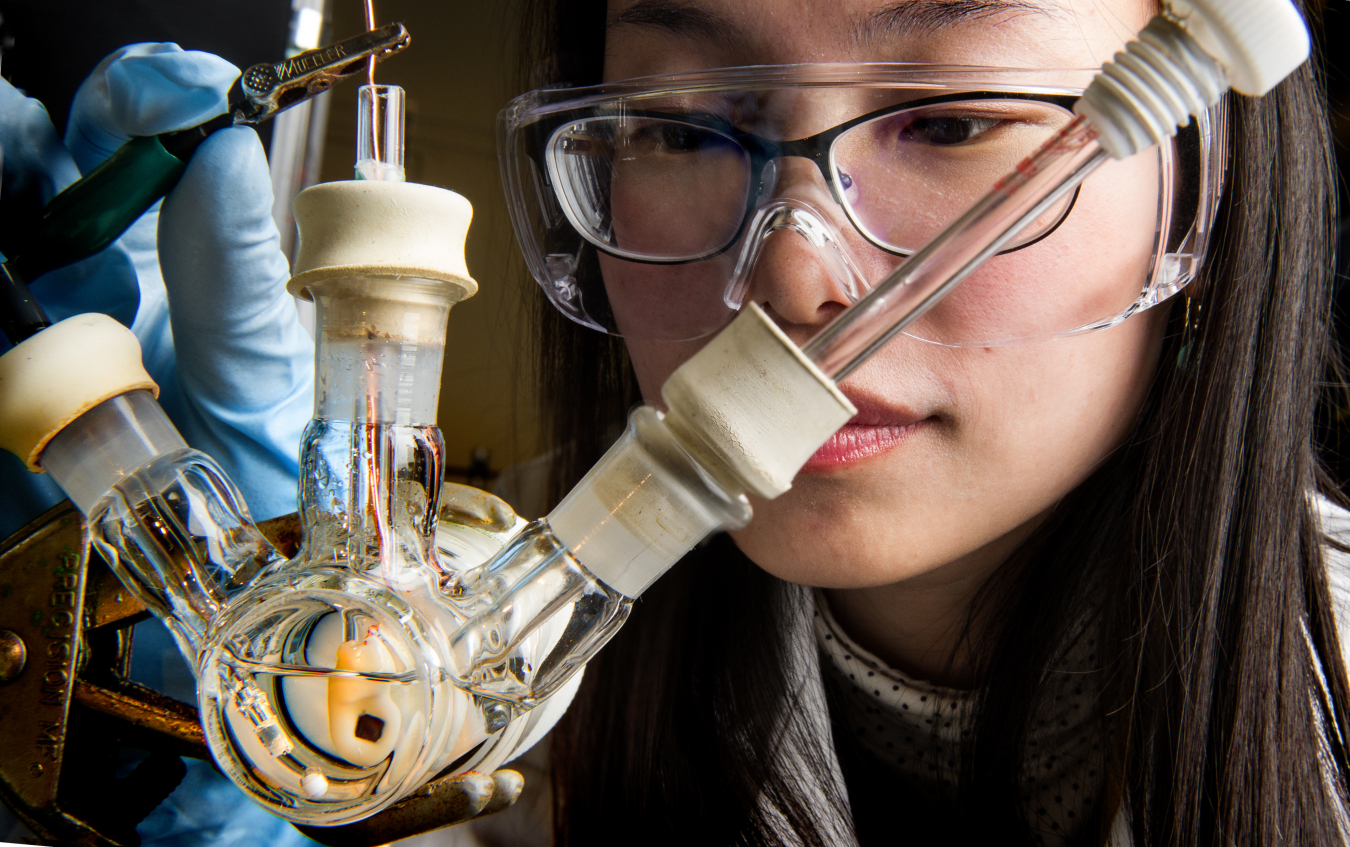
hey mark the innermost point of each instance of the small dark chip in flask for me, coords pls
(369, 728)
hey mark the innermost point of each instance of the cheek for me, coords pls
(654, 361)
(681, 205)
(1092, 267)
(667, 302)
(1015, 430)
(1039, 419)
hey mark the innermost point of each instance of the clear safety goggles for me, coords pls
(643, 207)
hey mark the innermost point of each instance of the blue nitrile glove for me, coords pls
(36, 167)
(245, 365)
(180, 90)
(242, 390)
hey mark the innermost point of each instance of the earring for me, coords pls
(1191, 343)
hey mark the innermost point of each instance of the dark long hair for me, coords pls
(1194, 548)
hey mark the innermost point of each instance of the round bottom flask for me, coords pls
(324, 687)
(326, 694)
(330, 697)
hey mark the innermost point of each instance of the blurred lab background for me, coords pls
(459, 71)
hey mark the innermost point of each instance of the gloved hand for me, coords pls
(245, 365)
(145, 90)
(238, 380)
(36, 167)
(240, 387)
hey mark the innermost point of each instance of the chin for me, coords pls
(823, 562)
(815, 535)
(884, 521)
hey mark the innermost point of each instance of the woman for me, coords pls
(1089, 569)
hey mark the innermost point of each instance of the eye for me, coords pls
(682, 138)
(945, 130)
(671, 137)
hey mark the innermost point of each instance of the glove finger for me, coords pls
(244, 362)
(218, 244)
(141, 89)
(473, 792)
(105, 282)
(506, 787)
(144, 89)
(36, 166)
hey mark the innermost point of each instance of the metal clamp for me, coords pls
(265, 89)
(67, 706)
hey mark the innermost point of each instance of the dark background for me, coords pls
(1334, 434)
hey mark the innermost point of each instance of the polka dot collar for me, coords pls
(916, 728)
(913, 726)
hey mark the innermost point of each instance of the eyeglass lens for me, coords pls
(664, 189)
(655, 188)
(903, 177)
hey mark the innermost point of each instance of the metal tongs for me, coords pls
(94, 212)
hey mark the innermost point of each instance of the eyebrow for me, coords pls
(678, 18)
(924, 17)
(927, 17)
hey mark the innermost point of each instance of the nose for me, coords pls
(795, 263)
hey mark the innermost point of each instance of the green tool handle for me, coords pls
(94, 212)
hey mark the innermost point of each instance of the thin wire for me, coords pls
(370, 24)
(374, 99)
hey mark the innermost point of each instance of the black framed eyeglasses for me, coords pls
(666, 187)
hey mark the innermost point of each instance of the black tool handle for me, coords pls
(21, 315)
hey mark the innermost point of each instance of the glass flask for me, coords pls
(324, 690)
(387, 652)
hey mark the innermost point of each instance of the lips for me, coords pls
(878, 427)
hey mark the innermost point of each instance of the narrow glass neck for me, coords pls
(368, 496)
(380, 345)
(372, 458)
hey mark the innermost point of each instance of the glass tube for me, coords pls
(165, 517)
(1151, 88)
(923, 279)
(379, 133)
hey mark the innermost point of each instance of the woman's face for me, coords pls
(957, 453)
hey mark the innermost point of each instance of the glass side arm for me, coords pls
(167, 519)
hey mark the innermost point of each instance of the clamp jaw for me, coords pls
(265, 89)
